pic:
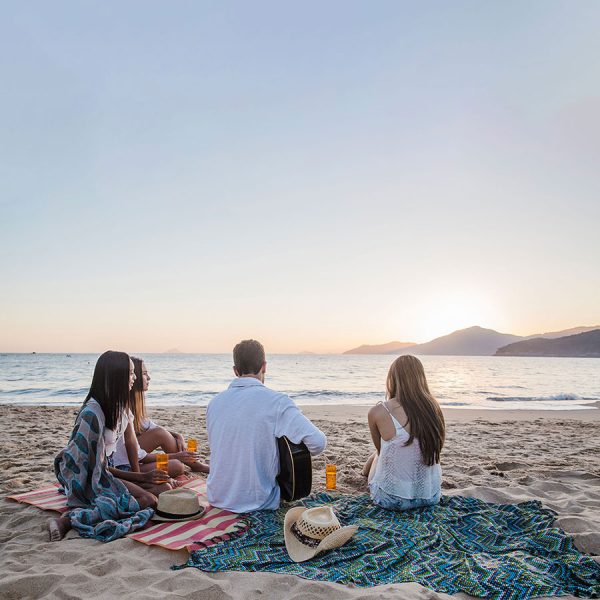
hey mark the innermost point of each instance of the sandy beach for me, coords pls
(498, 456)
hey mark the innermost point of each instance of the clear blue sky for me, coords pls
(317, 175)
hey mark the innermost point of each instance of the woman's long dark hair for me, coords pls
(406, 383)
(137, 402)
(110, 386)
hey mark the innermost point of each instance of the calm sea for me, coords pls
(193, 379)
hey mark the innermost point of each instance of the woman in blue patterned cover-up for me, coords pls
(100, 505)
(408, 432)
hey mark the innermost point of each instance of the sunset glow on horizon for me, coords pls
(315, 176)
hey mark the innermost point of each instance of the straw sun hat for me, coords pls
(310, 531)
(180, 504)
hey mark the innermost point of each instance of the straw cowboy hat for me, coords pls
(310, 531)
(180, 504)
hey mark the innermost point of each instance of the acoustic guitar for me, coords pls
(295, 470)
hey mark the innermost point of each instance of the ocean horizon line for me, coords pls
(300, 354)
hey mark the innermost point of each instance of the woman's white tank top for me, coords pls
(400, 470)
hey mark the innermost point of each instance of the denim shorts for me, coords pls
(390, 502)
(123, 467)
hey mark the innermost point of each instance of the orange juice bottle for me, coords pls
(162, 462)
(192, 445)
(330, 476)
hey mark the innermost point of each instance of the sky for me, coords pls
(315, 175)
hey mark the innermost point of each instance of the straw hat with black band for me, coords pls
(180, 504)
(308, 532)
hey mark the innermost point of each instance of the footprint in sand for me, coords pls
(574, 524)
(510, 466)
(498, 473)
(588, 542)
(476, 471)
(527, 480)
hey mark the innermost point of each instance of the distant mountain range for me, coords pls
(563, 333)
(582, 345)
(473, 341)
(477, 341)
(380, 348)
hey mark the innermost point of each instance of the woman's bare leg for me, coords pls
(155, 438)
(176, 467)
(159, 437)
(145, 498)
(369, 468)
(200, 467)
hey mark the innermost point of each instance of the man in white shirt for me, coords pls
(243, 423)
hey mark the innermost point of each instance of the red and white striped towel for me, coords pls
(46, 498)
(214, 526)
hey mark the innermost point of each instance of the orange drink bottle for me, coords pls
(162, 462)
(330, 476)
(192, 445)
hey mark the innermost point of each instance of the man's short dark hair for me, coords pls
(248, 357)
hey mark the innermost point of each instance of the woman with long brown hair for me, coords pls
(151, 436)
(408, 432)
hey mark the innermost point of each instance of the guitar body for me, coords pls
(295, 470)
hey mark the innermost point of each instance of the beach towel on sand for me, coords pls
(500, 551)
(213, 527)
(101, 506)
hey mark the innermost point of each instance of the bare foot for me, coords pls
(58, 528)
(199, 467)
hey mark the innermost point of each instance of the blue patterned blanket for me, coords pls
(500, 551)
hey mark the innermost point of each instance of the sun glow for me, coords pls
(448, 311)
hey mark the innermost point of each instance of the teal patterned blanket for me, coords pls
(500, 551)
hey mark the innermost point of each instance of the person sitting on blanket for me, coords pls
(102, 506)
(243, 423)
(150, 436)
(128, 462)
(408, 431)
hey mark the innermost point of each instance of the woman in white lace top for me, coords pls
(408, 432)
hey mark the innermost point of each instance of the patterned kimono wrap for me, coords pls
(102, 507)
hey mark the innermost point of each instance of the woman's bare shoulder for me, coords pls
(377, 411)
